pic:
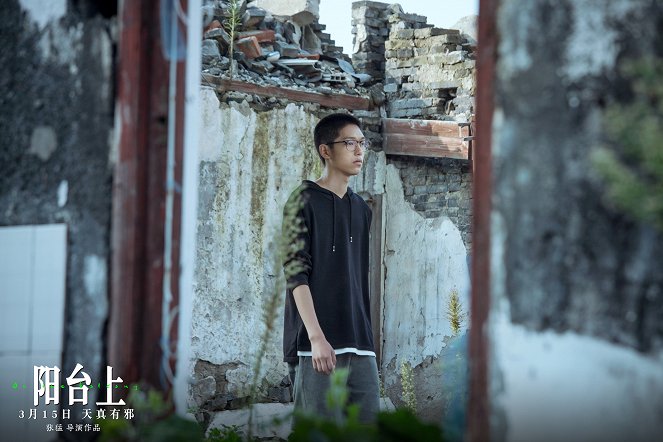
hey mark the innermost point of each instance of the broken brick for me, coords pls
(263, 36)
(308, 56)
(214, 25)
(249, 46)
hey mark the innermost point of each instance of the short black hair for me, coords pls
(328, 129)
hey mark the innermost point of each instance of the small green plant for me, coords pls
(455, 312)
(232, 24)
(407, 383)
(287, 246)
(397, 426)
(153, 421)
(225, 434)
(381, 384)
(631, 160)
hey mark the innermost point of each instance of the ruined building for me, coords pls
(412, 85)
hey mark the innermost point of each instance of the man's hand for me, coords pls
(324, 358)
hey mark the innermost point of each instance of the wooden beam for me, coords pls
(339, 101)
(425, 138)
(479, 417)
(375, 272)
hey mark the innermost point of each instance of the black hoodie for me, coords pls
(334, 258)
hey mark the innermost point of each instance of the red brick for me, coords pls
(263, 36)
(249, 46)
(214, 25)
(309, 56)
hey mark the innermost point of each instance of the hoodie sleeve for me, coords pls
(297, 263)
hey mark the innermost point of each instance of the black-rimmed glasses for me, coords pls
(351, 145)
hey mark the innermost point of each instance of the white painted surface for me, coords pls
(574, 388)
(63, 193)
(16, 260)
(44, 12)
(593, 43)
(235, 269)
(425, 259)
(32, 300)
(192, 119)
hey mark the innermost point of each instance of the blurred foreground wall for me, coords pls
(576, 338)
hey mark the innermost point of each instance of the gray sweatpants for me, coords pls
(311, 387)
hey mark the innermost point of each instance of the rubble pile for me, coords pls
(277, 50)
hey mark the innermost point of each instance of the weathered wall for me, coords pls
(252, 157)
(424, 259)
(250, 162)
(428, 73)
(577, 292)
(56, 119)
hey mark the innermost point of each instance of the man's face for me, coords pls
(347, 159)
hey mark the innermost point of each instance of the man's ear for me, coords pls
(324, 151)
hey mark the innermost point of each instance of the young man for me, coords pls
(327, 311)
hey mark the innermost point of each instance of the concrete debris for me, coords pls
(277, 45)
(422, 71)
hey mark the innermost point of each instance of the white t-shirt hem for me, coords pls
(339, 351)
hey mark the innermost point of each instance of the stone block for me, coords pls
(249, 46)
(412, 87)
(404, 53)
(287, 50)
(438, 188)
(441, 49)
(210, 51)
(405, 34)
(390, 88)
(454, 187)
(452, 84)
(374, 22)
(253, 17)
(432, 32)
(448, 58)
(404, 113)
(446, 39)
(366, 56)
(421, 190)
(302, 11)
(393, 44)
(220, 35)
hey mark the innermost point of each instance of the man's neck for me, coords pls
(337, 183)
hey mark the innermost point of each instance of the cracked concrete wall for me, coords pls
(577, 294)
(250, 162)
(424, 260)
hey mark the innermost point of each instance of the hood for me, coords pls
(328, 194)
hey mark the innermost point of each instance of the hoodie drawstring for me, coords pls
(334, 220)
(350, 203)
(333, 224)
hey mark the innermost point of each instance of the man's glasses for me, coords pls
(351, 145)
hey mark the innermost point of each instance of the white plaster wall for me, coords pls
(424, 259)
(236, 268)
(543, 385)
(548, 387)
